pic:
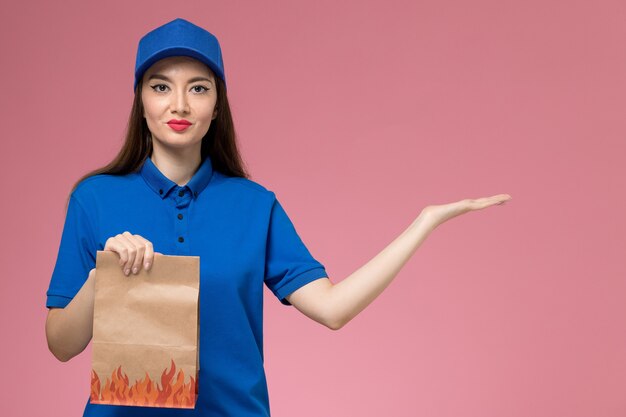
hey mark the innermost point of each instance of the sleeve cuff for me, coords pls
(58, 301)
(300, 281)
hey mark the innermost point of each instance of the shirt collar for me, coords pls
(162, 185)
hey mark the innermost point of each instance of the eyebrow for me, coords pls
(164, 78)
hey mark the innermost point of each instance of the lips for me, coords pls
(179, 125)
(179, 122)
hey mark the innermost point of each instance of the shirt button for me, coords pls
(181, 193)
(180, 216)
(160, 191)
(180, 239)
(195, 193)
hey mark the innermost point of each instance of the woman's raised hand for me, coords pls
(133, 251)
(438, 214)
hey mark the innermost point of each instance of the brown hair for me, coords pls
(220, 142)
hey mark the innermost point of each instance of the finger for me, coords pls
(480, 203)
(493, 201)
(117, 244)
(503, 198)
(498, 199)
(140, 248)
(129, 251)
(148, 256)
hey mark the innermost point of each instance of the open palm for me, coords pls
(438, 214)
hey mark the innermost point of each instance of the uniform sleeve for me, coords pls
(288, 263)
(76, 256)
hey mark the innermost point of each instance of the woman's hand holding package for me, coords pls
(134, 250)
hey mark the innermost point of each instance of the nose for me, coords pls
(179, 102)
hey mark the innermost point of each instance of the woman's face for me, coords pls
(174, 89)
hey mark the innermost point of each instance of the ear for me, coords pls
(214, 114)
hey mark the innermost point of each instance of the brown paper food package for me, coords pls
(145, 333)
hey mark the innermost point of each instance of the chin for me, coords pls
(181, 143)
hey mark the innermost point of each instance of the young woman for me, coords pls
(178, 186)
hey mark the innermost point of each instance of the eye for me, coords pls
(156, 87)
(200, 86)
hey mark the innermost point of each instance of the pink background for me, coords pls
(358, 114)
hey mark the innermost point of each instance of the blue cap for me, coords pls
(175, 38)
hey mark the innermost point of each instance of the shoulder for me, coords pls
(242, 185)
(100, 186)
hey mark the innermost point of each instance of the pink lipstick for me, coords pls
(179, 125)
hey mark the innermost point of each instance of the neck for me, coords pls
(177, 166)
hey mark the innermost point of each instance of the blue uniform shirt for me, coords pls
(244, 239)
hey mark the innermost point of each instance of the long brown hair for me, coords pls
(220, 142)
